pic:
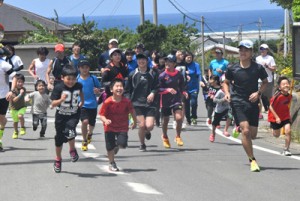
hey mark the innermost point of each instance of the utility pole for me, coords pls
(240, 35)
(142, 12)
(224, 49)
(259, 29)
(202, 44)
(286, 28)
(155, 12)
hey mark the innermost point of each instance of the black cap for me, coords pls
(141, 56)
(4, 51)
(171, 58)
(140, 45)
(83, 62)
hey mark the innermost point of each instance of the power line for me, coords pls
(96, 8)
(116, 7)
(185, 15)
(75, 6)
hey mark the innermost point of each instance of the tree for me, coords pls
(151, 35)
(296, 10)
(283, 3)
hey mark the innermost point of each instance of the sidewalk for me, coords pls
(265, 134)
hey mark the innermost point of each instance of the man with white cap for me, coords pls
(244, 96)
(268, 62)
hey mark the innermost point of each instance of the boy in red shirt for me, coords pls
(279, 112)
(114, 115)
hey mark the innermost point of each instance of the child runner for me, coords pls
(40, 103)
(91, 87)
(213, 87)
(221, 110)
(279, 112)
(141, 88)
(18, 106)
(114, 115)
(65, 97)
(171, 88)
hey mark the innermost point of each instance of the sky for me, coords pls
(67, 8)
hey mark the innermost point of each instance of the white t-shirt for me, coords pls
(4, 87)
(41, 68)
(268, 60)
(16, 60)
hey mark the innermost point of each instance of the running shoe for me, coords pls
(254, 167)
(179, 141)
(22, 131)
(34, 128)
(57, 166)
(148, 135)
(142, 148)
(226, 133)
(84, 146)
(260, 116)
(286, 152)
(42, 133)
(218, 126)
(236, 132)
(211, 137)
(89, 138)
(1, 133)
(116, 149)
(183, 126)
(193, 122)
(166, 142)
(74, 155)
(15, 135)
(113, 167)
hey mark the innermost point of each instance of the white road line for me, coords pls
(220, 133)
(143, 188)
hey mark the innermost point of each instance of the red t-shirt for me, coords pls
(117, 112)
(280, 104)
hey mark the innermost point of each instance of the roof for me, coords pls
(12, 19)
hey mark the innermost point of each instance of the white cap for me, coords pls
(265, 46)
(113, 40)
(112, 50)
(246, 43)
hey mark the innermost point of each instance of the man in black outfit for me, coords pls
(244, 98)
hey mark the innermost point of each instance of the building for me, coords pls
(12, 18)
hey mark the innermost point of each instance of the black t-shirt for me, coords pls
(140, 85)
(245, 80)
(58, 66)
(70, 105)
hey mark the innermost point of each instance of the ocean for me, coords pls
(214, 21)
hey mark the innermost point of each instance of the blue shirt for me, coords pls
(75, 61)
(131, 65)
(195, 77)
(90, 99)
(218, 64)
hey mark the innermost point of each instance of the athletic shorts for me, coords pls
(245, 112)
(276, 126)
(65, 126)
(15, 114)
(3, 106)
(167, 111)
(145, 111)
(218, 117)
(113, 139)
(89, 114)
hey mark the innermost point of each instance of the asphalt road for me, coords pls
(199, 170)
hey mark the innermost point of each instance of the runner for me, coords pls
(141, 89)
(114, 115)
(65, 98)
(91, 87)
(244, 97)
(171, 88)
(279, 115)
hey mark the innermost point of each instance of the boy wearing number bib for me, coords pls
(65, 98)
